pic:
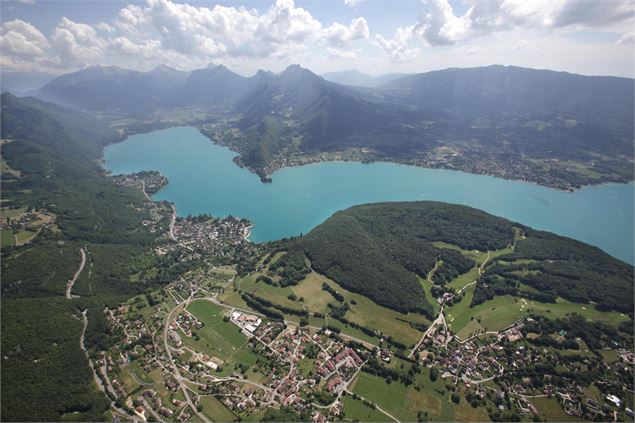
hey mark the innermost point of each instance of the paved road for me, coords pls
(175, 368)
(97, 380)
(71, 282)
(143, 189)
(439, 320)
(171, 231)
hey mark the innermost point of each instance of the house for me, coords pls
(614, 400)
(332, 383)
(141, 412)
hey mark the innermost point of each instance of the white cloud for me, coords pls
(341, 54)
(628, 38)
(230, 32)
(77, 43)
(19, 38)
(104, 27)
(525, 45)
(439, 25)
(397, 47)
(339, 35)
(144, 34)
(353, 3)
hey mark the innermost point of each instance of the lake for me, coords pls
(204, 179)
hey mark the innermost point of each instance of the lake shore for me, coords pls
(205, 179)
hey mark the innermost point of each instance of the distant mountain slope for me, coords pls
(111, 88)
(378, 250)
(510, 91)
(23, 82)
(297, 110)
(552, 128)
(358, 79)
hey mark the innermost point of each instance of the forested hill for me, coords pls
(51, 152)
(378, 250)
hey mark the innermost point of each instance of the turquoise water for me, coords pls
(203, 178)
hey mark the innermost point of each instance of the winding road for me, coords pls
(71, 282)
(175, 368)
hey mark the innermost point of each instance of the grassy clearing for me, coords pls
(127, 380)
(500, 312)
(357, 410)
(219, 338)
(8, 238)
(550, 410)
(12, 213)
(427, 288)
(277, 295)
(215, 410)
(405, 403)
(212, 316)
(363, 311)
(355, 333)
(5, 169)
(391, 397)
(479, 258)
(305, 366)
(315, 298)
(22, 237)
(610, 356)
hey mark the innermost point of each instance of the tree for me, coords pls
(456, 398)
(434, 374)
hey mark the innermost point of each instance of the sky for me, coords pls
(589, 37)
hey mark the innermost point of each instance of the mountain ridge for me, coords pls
(554, 128)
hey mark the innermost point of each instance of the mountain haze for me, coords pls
(356, 78)
(553, 128)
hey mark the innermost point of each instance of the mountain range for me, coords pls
(553, 128)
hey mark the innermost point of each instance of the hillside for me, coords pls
(378, 250)
(115, 89)
(45, 376)
(552, 128)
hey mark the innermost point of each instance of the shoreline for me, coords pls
(620, 186)
(266, 175)
(521, 181)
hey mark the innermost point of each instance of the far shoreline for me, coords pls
(268, 177)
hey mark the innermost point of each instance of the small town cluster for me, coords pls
(516, 365)
(306, 369)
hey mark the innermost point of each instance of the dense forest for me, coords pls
(378, 250)
(45, 376)
(559, 266)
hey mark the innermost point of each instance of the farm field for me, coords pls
(8, 238)
(215, 410)
(355, 409)
(362, 310)
(218, 338)
(500, 312)
(550, 410)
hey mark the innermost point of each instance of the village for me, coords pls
(305, 369)
(510, 368)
